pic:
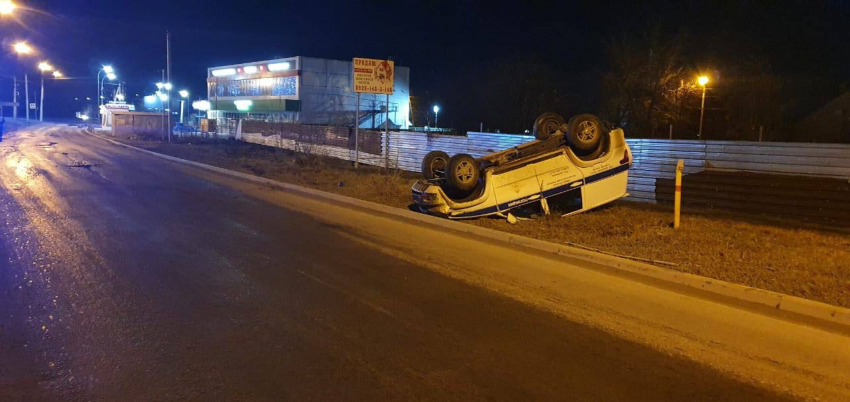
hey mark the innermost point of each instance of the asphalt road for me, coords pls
(127, 278)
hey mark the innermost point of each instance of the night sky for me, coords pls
(437, 40)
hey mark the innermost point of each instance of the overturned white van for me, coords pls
(569, 169)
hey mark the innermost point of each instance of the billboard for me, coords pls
(373, 76)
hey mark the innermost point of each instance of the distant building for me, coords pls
(830, 123)
(302, 90)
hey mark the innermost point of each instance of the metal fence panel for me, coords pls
(808, 180)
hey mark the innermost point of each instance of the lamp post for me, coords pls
(43, 66)
(106, 70)
(183, 95)
(20, 48)
(702, 80)
(436, 111)
(110, 75)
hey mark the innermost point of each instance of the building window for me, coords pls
(277, 86)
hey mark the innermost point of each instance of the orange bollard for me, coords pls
(677, 201)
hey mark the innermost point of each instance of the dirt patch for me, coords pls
(813, 263)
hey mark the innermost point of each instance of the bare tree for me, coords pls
(645, 81)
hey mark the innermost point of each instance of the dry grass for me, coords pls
(803, 262)
(779, 256)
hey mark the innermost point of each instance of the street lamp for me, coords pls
(7, 7)
(110, 75)
(183, 95)
(43, 66)
(21, 48)
(702, 80)
(106, 70)
(57, 74)
(436, 111)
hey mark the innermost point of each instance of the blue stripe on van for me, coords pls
(607, 173)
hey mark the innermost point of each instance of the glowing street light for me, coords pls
(57, 74)
(43, 66)
(201, 105)
(22, 48)
(702, 80)
(7, 7)
(167, 86)
(183, 95)
(436, 111)
(107, 69)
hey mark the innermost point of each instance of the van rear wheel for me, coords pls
(547, 124)
(434, 164)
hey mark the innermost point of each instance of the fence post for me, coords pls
(671, 131)
(677, 200)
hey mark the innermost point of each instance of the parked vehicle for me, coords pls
(181, 129)
(570, 168)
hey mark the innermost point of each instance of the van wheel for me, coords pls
(463, 172)
(603, 146)
(584, 133)
(547, 124)
(434, 164)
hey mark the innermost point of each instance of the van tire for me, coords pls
(547, 124)
(603, 146)
(463, 172)
(584, 133)
(434, 164)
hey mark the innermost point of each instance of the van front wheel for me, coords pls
(584, 133)
(463, 172)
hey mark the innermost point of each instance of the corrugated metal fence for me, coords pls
(801, 179)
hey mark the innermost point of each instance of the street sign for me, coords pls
(373, 76)
(32, 106)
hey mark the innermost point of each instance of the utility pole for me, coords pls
(15, 97)
(162, 116)
(27, 91)
(701, 113)
(41, 103)
(168, 67)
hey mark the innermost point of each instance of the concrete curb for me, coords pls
(741, 293)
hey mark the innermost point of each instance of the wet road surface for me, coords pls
(128, 278)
